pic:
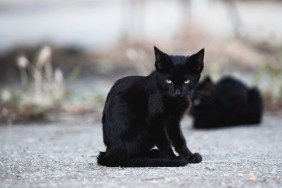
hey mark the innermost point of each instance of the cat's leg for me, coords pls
(155, 123)
(179, 143)
(162, 141)
(153, 153)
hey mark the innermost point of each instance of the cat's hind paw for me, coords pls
(195, 158)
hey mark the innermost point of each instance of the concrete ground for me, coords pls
(64, 155)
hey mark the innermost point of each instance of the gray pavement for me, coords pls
(64, 155)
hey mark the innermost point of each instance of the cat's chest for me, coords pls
(166, 108)
(175, 110)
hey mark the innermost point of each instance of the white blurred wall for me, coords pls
(100, 23)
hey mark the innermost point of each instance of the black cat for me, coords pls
(229, 102)
(143, 112)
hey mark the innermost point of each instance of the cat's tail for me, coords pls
(140, 162)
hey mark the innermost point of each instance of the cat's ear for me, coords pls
(208, 83)
(196, 61)
(162, 60)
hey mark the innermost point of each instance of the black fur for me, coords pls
(143, 112)
(229, 102)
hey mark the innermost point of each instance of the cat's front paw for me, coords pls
(195, 158)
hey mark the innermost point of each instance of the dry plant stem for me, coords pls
(48, 71)
(24, 78)
(49, 75)
(38, 83)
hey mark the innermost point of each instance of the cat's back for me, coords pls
(229, 83)
(231, 89)
(127, 96)
(129, 84)
(127, 91)
(231, 94)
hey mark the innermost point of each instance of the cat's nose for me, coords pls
(177, 93)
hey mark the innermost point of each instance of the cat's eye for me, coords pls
(186, 81)
(168, 81)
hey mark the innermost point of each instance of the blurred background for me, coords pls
(59, 58)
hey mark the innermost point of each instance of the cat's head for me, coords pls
(178, 75)
(206, 84)
(203, 100)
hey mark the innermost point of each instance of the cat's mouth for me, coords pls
(176, 95)
(180, 96)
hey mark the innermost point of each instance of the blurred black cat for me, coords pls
(229, 102)
(145, 111)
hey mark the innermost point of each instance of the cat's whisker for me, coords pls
(203, 92)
